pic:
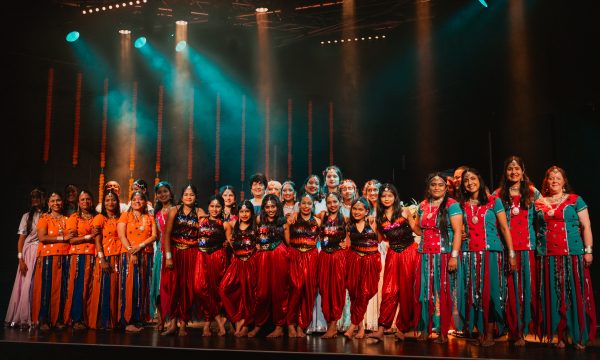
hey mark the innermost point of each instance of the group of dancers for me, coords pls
(465, 259)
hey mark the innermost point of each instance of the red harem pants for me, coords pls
(210, 269)
(362, 278)
(238, 290)
(273, 283)
(177, 284)
(303, 286)
(332, 283)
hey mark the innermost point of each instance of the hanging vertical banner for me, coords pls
(289, 154)
(133, 135)
(159, 117)
(330, 133)
(267, 132)
(217, 142)
(103, 140)
(310, 130)
(77, 122)
(243, 148)
(48, 118)
(191, 136)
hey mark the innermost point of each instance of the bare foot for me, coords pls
(560, 345)
(331, 331)
(350, 332)
(580, 347)
(206, 330)
(487, 342)
(361, 333)
(81, 326)
(221, 320)
(129, 328)
(60, 326)
(254, 331)
(171, 329)
(243, 332)
(377, 335)
(44, 327)
(182, 331)
(399, 335)
(278, 332)
(300, 332)
(423, 336)
(441, 340)
(520, 342)
(292, 331)
(238, 327)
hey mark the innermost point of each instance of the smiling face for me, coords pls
(359, 211)
(270, 209)
(387, 198)
(306, 205)
(371, 192)
(289, 195)
(555, 182)
(258, 189)
(514, 172)
(189, 197)
(244, 214)
(85, 201)
(274, 187)
(312, 185)
(114, 186)
(228, 197)
(110, 202)
(55, 203)
(163, 195)
(471, 183)
(347, 190)
(333, 204)
(437, 188)
(332, 179)
(214, 209)
(138, 202)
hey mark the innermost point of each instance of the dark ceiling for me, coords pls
(288, 20)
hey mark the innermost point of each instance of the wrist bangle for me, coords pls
(512, 254)
(142, 245)
(87, 237)
(588, 249)
(59, 238)
(168, 255)
(128, 247)
(100, 254)
(19, 255)
(454, 253)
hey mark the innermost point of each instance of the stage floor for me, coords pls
(91, 344)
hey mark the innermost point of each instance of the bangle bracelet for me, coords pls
(19, 255)
(100, 254)
(168, 255)
(59, 238)
(512, 254)
(87, 237)
(588, 249)
(128, 247)
(454, 254)
(142, 245)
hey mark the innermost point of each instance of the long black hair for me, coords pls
(525, 185)
(442, 218)
(40, 193)
(103, 206)
(159, 205)
(219, 199)
(340, 219)
(252, 222)
(482, 195)
(234, 206)
(397, 208)
(194, 205)
(279, 217)
(363, 200)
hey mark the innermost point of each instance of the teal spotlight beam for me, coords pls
(181, 46)
(140, 42)
(482, 2)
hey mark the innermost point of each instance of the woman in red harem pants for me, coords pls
(332, 264)
(237, 289)
(180, 242)
(272, 262)
(363, 265)
(302, 237)
(394, 226)
(211, 264)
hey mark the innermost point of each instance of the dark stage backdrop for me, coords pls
(459, 85)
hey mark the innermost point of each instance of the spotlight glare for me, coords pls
(116, 6)
(180, 46)
(322, 42)
(369, 38)
(84, 12)
(482, 2)
(376, 37)
(262, 9)
(145, 1)
(342, 40)
(124, 4)
(72, 36)
(137, 2)
(97, 9)
(329, 41)
(131, 3)
(383, 36)
(181, 22)
(335, 41)
(355, 39)
(104, 8)
(124, 32)
(362, 38)
(140, 42)
(110, 7)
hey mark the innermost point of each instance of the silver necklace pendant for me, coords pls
(551, 212)
(142, 228)
(515, 211)
(475, 219)
(429, 215)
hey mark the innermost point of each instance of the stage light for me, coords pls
(84, 12)
(180, 46)
(124, 32)
(72, 36)
(262, 9)
(140, 42)
(482, 2)
(181, 22)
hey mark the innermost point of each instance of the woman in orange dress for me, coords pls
(137, 231)
(49, 292)
(103, 313)
(83, 251)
